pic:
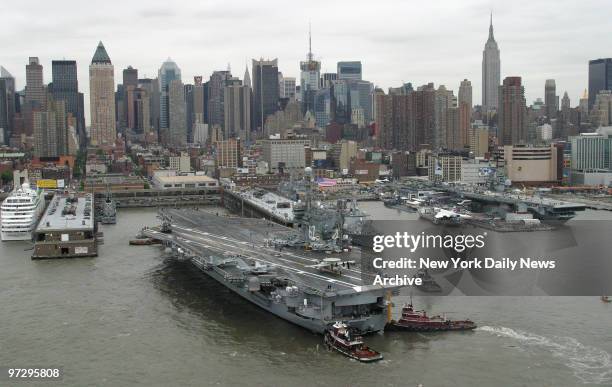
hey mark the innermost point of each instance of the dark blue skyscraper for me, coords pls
(7, 103)
(66, 88)
(265, 90)
(600, 77)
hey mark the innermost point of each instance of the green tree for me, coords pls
(6, 177)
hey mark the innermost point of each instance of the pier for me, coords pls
(173, 197)
(67, 228)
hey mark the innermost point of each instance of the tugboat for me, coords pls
(606, 299)
(418, 321)
(339, 338)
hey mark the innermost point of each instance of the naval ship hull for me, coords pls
(370, 324)
(284, 283)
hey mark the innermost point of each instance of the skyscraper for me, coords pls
(35, 97)
(50, 131)
(237, 110)
(394, 120)
(424, 103)
(340, 102)
(141, 111)
(601, 111)
(600, 77)
(323, 107)
(550, 99)
(349, 70)
(66, 88)
(444, 100)
(151, 86)
(465, 111)
(102, 98)
(512, 112)
(310, 72)
(198, 108)
(326, 80)
(565, 107)
(286, 87)
(490, 72)
(566, 117)
(7, 104)
(216, 86)
(177, 129)
(360, 93)
(168, 72)
(35, 94)
(265, 91)
(130, 83)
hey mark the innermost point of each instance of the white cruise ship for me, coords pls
(20, 211)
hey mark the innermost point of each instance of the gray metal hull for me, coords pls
(373, 323)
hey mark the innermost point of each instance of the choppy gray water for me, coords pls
(134, 317)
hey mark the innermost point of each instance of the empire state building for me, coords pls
(490, 73)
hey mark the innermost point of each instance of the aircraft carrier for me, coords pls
(309, 288)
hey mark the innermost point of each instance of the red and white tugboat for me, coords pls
(340, 338)
(418, 321)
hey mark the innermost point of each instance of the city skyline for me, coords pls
(415, 52)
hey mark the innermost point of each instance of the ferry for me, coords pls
(20, 211)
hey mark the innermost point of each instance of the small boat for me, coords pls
(442, 216)
(606, 299)
(142, 241)
(339, 337)
(418, 321)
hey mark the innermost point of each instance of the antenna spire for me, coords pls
(309, 42)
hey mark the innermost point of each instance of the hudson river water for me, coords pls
(132, 316)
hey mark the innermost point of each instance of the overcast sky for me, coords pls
(397, 41)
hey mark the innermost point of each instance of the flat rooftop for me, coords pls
(74, 211)
(270, 202)
(185, 179)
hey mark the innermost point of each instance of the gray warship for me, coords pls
(106, 210)
(108, 214)
(308, 288)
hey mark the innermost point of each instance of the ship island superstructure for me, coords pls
(21, 210)
(289, 283)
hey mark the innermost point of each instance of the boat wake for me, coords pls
(589, 364)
